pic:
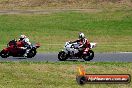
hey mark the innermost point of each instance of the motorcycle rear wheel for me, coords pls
(89, 56)
(4, 54)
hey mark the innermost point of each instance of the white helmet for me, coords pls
(81, 35)
(22, 37)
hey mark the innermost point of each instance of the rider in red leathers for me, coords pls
(84, 43)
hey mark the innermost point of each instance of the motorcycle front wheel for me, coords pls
(62, 56)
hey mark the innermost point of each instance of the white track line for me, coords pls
(126, 52)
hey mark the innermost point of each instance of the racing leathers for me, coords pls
(26, 43)
(84, 45)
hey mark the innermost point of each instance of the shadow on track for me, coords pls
(69, 60)
(18, 58)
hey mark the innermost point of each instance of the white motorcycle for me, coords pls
(72, 51)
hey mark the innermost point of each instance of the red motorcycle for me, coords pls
(13, 49)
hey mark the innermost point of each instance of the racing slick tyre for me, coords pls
(4, 54)
(89, 56)
(62, 56)
(31, 53)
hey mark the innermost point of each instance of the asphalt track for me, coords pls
(99, 57)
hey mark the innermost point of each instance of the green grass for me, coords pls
(57, 75)
(111, 30)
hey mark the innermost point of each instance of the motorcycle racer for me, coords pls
(78, 49)
(84, 43)
(25, 41)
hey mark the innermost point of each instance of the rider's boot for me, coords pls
(27, 51)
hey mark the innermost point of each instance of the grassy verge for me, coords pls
(66, 4)
(111, 30)
(62, 74)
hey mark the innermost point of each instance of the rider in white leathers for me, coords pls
(26, 42)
